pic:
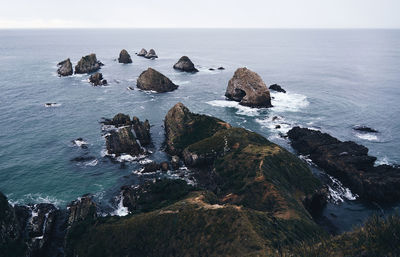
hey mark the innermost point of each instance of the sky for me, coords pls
(200, 14)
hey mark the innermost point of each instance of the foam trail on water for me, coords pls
(288, 102)
(241, 110)
(366, 136)
(338, 193)
(121, 209)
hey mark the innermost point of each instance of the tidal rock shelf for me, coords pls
(350, 163)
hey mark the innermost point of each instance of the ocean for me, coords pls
(335, 80)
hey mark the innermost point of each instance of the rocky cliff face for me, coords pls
(247, 88)
(153, 80)
(88, 64)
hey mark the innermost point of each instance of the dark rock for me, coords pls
(350, 163)
(151, 54)
(247, 88)
(155, 81)
(10, 227)
(83, 159)
(185, 64)
(142, 52)
(142, 131)
(130, 88)
(151, 167)
(80, 143)
(82, 209)
(122, 141)
(316, 201)
(88, 64)
(221, 68)
(124, 57)
(278, 126)
(365, 129)
(277, 88)
(119, 120)
(164, 166)
(175, 162)
(211, 69)
(65, 68)
(51, 104)
(97, 79)
(275, 118)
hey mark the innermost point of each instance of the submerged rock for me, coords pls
(142, 52)
(155, 81)
(365, 129)
(247, 88)
(151, 54)
(81, 209)
(277, 88)
(88, 64)
(65, 68)
(97, 79)
(185, 64)
(124, 57)
(350, 163)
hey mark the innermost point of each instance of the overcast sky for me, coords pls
(200, 14)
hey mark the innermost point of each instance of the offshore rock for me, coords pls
(88, 64)
(65, 68)
(142, 130)
(185, 64)
(142, 52)
(277, 88)
(122, 141)
(124, 57)
(97, 79)
(151, 54)
(247, 88)
(155, 81)
(365, 129)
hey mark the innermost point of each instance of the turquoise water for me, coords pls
(335, 79)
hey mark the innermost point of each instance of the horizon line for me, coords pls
(272, 28)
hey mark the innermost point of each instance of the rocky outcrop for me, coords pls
(153, 80)
(183, 128)
(124, 57)
(10, 227)
(277, 88)
(142, 52)
(365, 129)
(185, 64)
(122, 141)
(142, 130)
(88, 64)
(65, 68)
(82, 209)
(119, 120)
(97, 79)
(350, 163)
(151, 54)
(247, 88)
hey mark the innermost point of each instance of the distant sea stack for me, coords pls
(151, 54)
(155, 81)
(185, 64)
(88, 64)
(247, 88)
(124, 57)
(142, 52)
(65, 68)
(97, 79)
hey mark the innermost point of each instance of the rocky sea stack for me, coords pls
(97, 79)
(247, 88)
(151, 54)
(277, 88)
(88, 64)
(185, 64)
(65, 68)
(124, 57)
(142, 52)
(155, 81)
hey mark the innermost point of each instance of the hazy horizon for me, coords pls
(254, 14)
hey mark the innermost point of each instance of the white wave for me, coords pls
(126, 158)
(288, 102)
(181, 82)
(92, 163)
(366, 136)
(48, 105)
(145, 161)
(338, 193)
(307, 159)
(80, 142)
(37, 198)
(277, 125)
(242, 110)
(382, 161)
(121, 209)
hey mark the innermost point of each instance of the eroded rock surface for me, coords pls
(88, 64)
(185, 64)
(152, 80)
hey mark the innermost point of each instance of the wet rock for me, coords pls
(80, 143)
(185, 64)
(316, 201)
(122, 141)
(124, 57)
(142, 131)
(277, 126)
(65, 68)
(175, 162)
(365, 129)
(164, 166)
(247, 88)
(211, 69)
(155, 81)
(151, 167)
(277, 88)
(142, 52)
(221, 68)
(51, 104)
(88, 64)
(81, 209)
(119, 120)
(151, 54)
(10, 227)
(130, 88)
(97, 79)
(350, 163)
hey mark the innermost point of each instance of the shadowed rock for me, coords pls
(365, 129)
(124, 57)
(185, 64)
(88, 64)
(81, 209)
(155, 81)
(247, 88)
(277, 88)
(97, 79)
(142, 130)
(142, 52)
(65, 68)
(122, 141)
(151, 54)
